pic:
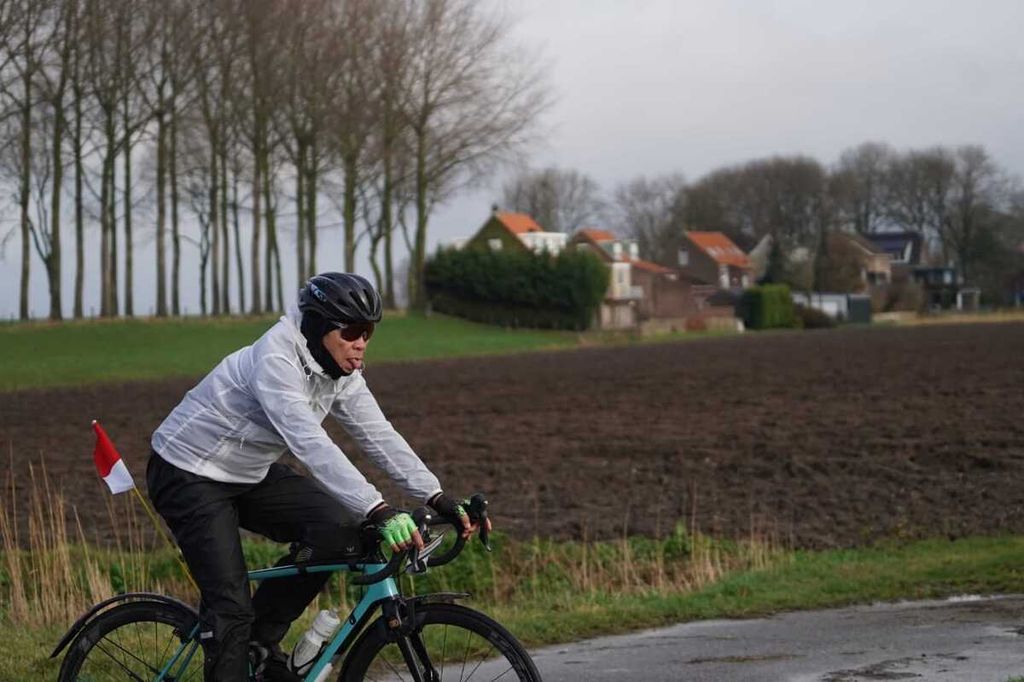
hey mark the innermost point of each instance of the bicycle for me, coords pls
(152, 637)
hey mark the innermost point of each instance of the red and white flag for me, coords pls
(108, 463)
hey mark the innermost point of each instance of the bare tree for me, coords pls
(785, 197)
(472, 103)
(977, 194)
(650, 211)
(311, 74)
(860, 184)
(920, 182)
(25, 33)
(561, 200)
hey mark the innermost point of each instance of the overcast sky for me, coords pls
(676, 86)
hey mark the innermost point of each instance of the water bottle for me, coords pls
(312, 641)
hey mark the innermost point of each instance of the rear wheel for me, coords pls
(446, 642)
(136, 641)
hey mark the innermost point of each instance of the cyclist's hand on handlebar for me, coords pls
(454, 511)
(397, 529)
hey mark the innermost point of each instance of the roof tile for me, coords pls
(720, 248)
(518, 223)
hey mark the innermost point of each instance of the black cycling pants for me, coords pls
(205, 516)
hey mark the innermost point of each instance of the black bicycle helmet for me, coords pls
(341, 298)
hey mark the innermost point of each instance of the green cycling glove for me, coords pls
(448, 508)
(395, 527)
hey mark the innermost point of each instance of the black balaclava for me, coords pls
(314, 327)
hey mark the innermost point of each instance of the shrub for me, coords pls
(769, 306)
(812, 318)
(518, 289)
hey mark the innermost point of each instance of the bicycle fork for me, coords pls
(409, 639)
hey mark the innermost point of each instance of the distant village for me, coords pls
(886, 273)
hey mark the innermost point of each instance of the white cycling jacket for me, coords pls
(271, 397)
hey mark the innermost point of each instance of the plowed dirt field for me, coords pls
(830, 438)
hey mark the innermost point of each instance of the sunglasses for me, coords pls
(356, 331)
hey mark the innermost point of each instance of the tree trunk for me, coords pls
(79, 212)
(53, 261)
(23, 196)
(104, 239)
(278, 281)
(255, 247)
(271, 219)
(300, 210)
(161, 210)
(417, 296)
(129, 277)
(115, 305)
(378, 277)
(225, 280)
(238, 243)
(351, 185)
(214, 232)
(386, 221)
(311, 182)
(172, 162)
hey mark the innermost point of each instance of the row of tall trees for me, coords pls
(205, 123)
(968, 209)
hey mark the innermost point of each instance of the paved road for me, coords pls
(965, 639)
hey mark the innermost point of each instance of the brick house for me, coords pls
(515, 231)
(638, 290)
(713, 258)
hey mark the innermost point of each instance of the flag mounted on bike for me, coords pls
(109, 465)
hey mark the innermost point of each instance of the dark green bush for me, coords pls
(518, 289)
(768, 306)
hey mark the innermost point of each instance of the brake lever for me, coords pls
(478, 513)
(421, 517)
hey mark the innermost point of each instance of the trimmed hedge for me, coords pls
(518, 288)
(769, 306)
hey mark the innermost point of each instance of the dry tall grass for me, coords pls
(54, 575)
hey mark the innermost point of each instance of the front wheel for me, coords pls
(446, 642)
(136, 641)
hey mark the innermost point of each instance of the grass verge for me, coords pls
(548, 593)
(42, 355)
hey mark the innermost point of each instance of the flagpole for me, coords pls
(118, 478)
(163, 534)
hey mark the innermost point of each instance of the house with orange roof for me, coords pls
(713, 258)
(512, 231)
(638, 290)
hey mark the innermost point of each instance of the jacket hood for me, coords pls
(292, 319)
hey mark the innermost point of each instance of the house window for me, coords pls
(617, 250)
(494, 244)
(684, 257)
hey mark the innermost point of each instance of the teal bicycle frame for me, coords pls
(374, 594)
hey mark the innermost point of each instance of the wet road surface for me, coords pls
(962, 639)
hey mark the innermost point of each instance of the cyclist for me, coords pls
(214, 470)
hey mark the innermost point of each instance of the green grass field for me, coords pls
(552, 611)
(67, 354)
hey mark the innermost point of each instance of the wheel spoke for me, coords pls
(119, 662)
(502, 675)
(465, 657)
(480, 662)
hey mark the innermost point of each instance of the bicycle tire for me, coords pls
(132, 641)
(441, 620)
